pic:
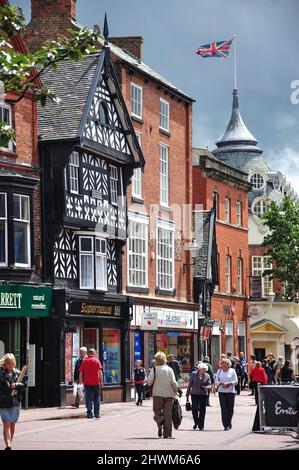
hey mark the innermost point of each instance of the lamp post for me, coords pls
(193, 248)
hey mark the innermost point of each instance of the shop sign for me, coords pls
(25, 301)
(149, 320)
(254, 311)
(175, 320)
(255, 287)
(277, 406)
(87, 308)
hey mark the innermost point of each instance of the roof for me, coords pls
(236, 132)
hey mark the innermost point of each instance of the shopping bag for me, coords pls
(80, 391)
(75, 388)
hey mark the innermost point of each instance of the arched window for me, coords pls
(257, 180)
(103, 113)
(260, 207)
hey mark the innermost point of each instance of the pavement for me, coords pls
(124, 426)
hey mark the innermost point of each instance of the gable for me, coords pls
(106, 124)
(267, 327)
(109, 134)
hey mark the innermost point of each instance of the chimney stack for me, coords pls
(49, 19)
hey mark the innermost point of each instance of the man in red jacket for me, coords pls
(258, 376)
(91, 370)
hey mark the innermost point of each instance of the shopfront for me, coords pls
(23, 315)
(101, 325)
(170, 331)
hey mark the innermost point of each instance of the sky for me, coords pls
(267, 63)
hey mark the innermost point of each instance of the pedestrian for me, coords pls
(238, 370)
(198, 387)
(268, 370)
(243, 364)
(222, 356)
(253, 364)
(139, 378)
(276, 368)
(165, 388)
(270, 360)
(78, 363)
(175, 366)
(230, 357)
(10, 396)
(226, 380)
(90, 373)
(206, 360)
(286, 373)
(258, 376)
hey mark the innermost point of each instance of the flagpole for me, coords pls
(235, 74)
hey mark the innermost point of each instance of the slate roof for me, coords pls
(63, 121)
(202, 237)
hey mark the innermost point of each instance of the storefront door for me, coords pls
(5, 335)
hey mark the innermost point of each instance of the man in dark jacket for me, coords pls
(206, 361)
(174, 364)
(78, 363)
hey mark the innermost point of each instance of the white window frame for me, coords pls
(227, 209)
(257, 180)
(102, 255)
(5, 231)
(93, 254)
(140, 222)
(228, 281)
(164, 115)
(137, 176)
(114, 184)
(162, 227)
(240, 276)
(28, 229)
(164, 175)
(239, 214)
(89, 253)
(136, 100)
(262, 206)
(259, 264)
(9, 147)
(74, 173)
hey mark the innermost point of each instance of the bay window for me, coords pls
(93, 263)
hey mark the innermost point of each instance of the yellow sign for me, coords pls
(96, 309)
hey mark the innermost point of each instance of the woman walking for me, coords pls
(139, 378)
(226, 379)
(165, 389)
(199, 386)
(10, 397)
(286, 373)
(258, 376)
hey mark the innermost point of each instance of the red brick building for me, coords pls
(20, 236)
(160, 198)
(229, 302)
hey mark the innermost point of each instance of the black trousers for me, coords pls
(139, 390)
(199, 405)
(227, 402)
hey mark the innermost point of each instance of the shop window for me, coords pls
(111, 356)
(91, 338)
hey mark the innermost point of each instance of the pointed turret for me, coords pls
(236, 137)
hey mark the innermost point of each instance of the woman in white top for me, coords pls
(165, 389)
(226, 379)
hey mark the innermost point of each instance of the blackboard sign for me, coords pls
(277, 406)
(255, 287)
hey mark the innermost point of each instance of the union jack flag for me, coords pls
(216, 49)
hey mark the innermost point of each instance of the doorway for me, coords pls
(260, 354)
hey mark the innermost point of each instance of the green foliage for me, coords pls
(283, 244)
(23, 73)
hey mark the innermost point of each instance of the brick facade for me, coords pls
(211, 176)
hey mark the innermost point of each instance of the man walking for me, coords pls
(91, 370)
(78, 363)
(175, 366)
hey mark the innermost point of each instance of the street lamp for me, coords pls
(271, 297)
(194, 249)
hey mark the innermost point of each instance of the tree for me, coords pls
(22, 72)
(283, 244)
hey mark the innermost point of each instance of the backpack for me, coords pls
(177, 414)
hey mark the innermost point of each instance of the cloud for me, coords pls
(286, 160)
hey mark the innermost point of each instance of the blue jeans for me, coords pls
(92, 396)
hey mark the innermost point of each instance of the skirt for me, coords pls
(10, 414)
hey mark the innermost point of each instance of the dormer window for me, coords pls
(103, 114)
(257, 180)
(260, 207)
